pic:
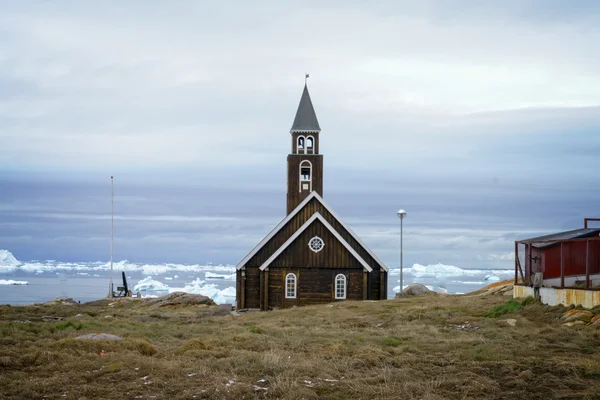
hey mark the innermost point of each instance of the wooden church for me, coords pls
(311, 256)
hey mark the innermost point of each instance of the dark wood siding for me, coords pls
(300, 258)
(294, 195)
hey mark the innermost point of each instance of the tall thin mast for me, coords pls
(112, 234)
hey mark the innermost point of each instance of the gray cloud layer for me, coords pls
(480, 118)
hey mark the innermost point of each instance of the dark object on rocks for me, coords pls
(414, 289)
(99, 336)
(180, 299)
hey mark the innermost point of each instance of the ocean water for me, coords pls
(47, 280)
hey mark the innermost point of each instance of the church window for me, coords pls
(305, 170)
(300, 144)
(316, 244)
(290, 286)
(340, 286)
(310, 145)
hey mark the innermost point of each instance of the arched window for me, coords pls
(310, 142)
(305, 170)
(340, 286)
(300, 144)
(290, 286)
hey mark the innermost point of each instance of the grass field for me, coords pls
(430, 347)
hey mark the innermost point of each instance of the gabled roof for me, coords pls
(315, 216)
(549, 240)
(280, 225)
(306, 119)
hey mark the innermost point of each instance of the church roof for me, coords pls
(306, 119)
(313, 195)
(316, 216)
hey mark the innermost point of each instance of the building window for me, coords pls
(340, 286)
(310, 145)
(300, 144)
(316, 244)
(290, 286)
(305, 176)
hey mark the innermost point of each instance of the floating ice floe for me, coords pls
(11, 282)
(438, 270)
(212, 275)
(150, 285)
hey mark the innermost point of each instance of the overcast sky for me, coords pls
(481, 119)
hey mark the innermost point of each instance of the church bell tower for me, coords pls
(305, 164)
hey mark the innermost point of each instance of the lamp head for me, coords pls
(401, 213)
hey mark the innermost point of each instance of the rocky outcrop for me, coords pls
(415, 289)
(180, 299)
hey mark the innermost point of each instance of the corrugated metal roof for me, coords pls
(306, 119)
(567, 235)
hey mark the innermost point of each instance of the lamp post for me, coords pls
(401, 215)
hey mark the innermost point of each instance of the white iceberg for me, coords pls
(8, 262)
(150, 285)
(212, 275)
(11, 282)
(434, 270)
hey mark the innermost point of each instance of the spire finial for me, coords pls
(306, 76)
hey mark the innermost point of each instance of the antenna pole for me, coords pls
(112, 234)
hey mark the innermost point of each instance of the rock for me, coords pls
(415, 289)
(180, 299)
(99, 336)
(511, 322)
(595, 320)
(61, 301)
(574, 323)
(79, 316)
(577, 315)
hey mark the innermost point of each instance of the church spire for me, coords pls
(306, 119)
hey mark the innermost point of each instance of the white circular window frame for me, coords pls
(317, 239)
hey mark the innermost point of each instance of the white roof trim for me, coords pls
(312, 219)
(284, 221)
(385, 268)
(274, 231)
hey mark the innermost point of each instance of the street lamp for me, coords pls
(401, 215)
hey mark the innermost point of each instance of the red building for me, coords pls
(568, 259)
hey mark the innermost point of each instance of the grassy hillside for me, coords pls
(431, 347)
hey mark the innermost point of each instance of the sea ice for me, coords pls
(212, 275)
(150, 285)
(491, 278)
(11, 282)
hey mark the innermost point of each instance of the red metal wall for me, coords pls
(574, 254)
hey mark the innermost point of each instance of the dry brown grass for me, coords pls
(433, 347)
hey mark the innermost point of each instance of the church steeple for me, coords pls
(306, 119)
(305, 164)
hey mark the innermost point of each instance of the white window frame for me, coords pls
(318, 238)
(312, 148)
(287, 294)
(340, 278)
(310, 173)
(303, 149)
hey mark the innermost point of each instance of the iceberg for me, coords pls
(212, 275)
(7, 260)
(11, 282)
(150, 285)
(434, 270)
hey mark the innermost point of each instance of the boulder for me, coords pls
(178, 299)
(416, 289)
(577, 315)
(595, 320)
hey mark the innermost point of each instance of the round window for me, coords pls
(316, 244)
